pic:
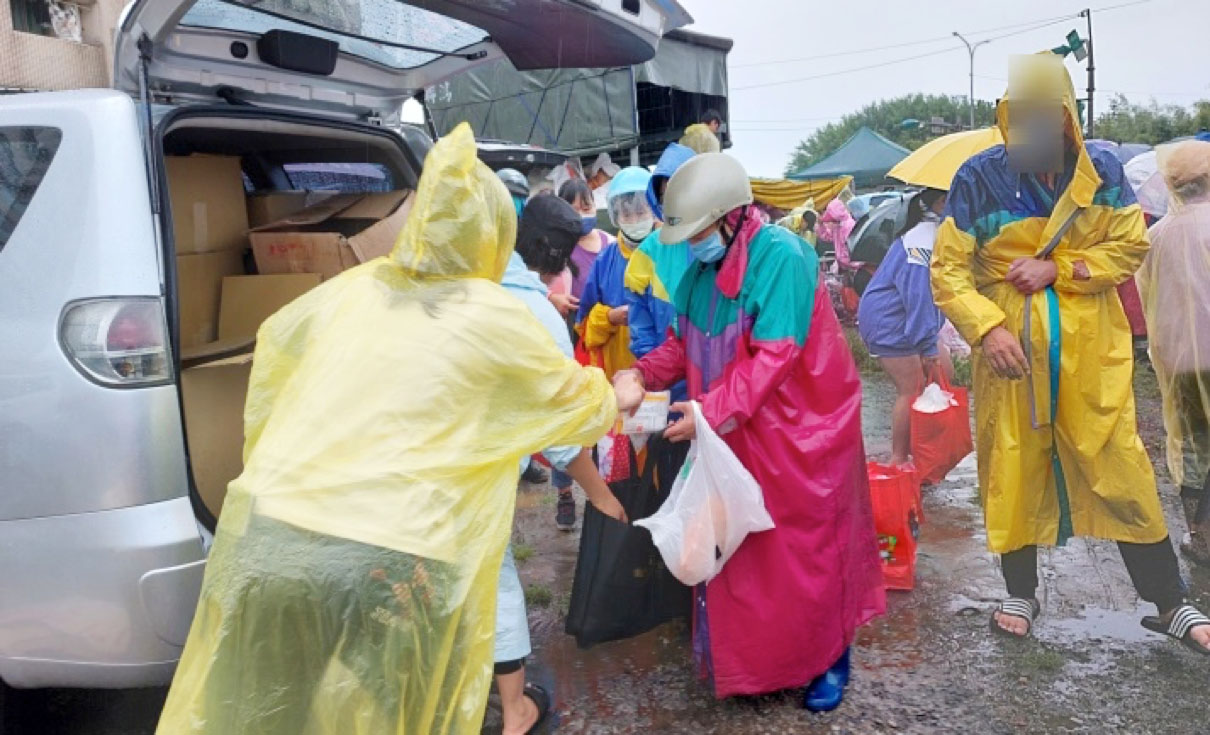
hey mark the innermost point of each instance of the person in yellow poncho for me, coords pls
(351, 588)
(1173, 283)
(1036, 235)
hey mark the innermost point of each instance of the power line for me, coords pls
(840, 53)
(788, 119)
(1032, 25)
(921, 42)
(1119, 91)
(838, 72)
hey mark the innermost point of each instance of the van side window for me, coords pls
(25, 155)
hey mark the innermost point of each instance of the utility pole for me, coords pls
(1087, 13)
(971, 50)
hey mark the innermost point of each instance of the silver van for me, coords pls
(124, 216)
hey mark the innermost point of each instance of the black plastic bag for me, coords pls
(622, 587)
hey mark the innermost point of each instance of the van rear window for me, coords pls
(25, 155)
(354, 178)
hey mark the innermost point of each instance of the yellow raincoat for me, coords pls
(1175, 285)
(1069, 461)
(351, 589)
(701, 139)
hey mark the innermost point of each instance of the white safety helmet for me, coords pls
(702, 192)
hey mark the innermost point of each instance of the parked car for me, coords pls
(111, 275)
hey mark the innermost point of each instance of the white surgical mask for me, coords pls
(636, 232)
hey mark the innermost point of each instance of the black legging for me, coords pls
(1153, 569)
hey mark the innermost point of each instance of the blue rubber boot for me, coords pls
(827, 691)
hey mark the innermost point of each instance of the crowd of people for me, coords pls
(361, 578)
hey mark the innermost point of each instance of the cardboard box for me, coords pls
(332, 236)
(199, 289)
(213, 395)
(249, 300)
(267, 208)
(207, 197)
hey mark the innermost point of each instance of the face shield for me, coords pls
(632, 214)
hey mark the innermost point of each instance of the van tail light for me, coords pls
(119, 342)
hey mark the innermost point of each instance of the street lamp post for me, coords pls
(971, 50)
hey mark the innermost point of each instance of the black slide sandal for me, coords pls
(1184, 619)
(1017, 607)
(541, 699)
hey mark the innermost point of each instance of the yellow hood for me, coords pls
(463, 224)
(1041, 78)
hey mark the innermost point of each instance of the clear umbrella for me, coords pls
(1149, 188)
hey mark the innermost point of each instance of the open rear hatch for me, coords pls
(362, 59)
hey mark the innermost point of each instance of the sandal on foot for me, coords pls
(541, 700)
(1184, 619)
(1017, 607)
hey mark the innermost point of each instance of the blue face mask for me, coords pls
(519, 203)
(589, 224)
(709, 250)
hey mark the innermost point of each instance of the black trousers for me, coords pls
(1153, 569)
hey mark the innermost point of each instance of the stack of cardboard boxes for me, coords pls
(297, 239)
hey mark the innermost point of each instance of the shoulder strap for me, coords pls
(1059, 233)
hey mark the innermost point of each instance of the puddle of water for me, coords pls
(1099, 625)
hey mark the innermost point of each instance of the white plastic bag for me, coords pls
(714, 503)
(934, 399)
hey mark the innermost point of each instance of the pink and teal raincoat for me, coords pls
(762, 350)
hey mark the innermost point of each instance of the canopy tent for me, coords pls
(786, 195)
(866, 156)
(589, 111)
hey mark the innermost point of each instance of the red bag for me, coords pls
(893, 498)
(941, 440)
(850, 299)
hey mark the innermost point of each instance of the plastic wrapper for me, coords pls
(353, 579)
(714, 504)
(1174, 283)
(933, 399)
(651, 416)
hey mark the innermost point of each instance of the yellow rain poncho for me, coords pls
(1068, 459)
(1175, 285)
(701, 139)
(351, 589)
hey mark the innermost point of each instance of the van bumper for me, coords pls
(100, 599)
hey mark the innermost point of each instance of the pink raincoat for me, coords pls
(790, 600)
(835, 226)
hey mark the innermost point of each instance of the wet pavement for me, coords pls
(929, 666)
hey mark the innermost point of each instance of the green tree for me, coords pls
(1151, 123)
(886, 118)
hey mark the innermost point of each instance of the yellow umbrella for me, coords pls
(935, 163)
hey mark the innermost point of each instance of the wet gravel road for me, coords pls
(929, 666)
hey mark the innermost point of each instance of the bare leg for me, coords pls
(945, 360)
(520, 712)
(908, 375)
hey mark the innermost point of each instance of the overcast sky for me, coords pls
(1158, 49)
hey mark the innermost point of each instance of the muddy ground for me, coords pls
(930, 665)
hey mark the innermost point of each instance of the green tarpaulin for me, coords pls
(588, 111)
(866, 156)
